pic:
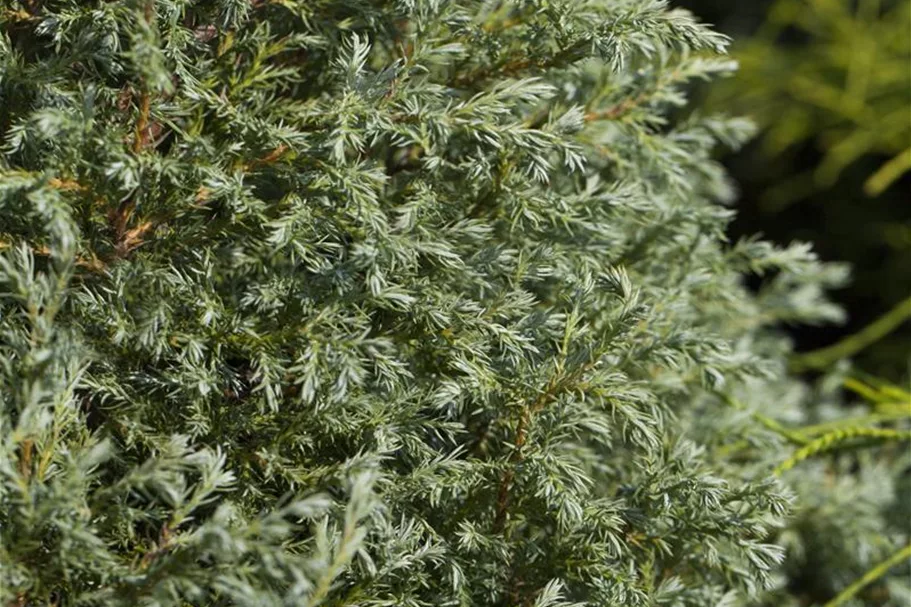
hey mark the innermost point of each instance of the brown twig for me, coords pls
(616, 111)
(162, 547)
(516, 457)
(514, 66)
(118, 219)
(141, 137)
(556, 384)
(21, 600)
(67, 185)
(16, 16)
(132, 238)
(269, 158)
(93, 263)
(125, 240)
(25, 458)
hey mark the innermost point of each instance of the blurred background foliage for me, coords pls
(828, 82)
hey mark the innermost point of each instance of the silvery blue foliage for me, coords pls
(414, 302)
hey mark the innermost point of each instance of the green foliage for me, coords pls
(386, 303)
(828, 83)
(833, 73)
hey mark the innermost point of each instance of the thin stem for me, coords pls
(25, 459)
(888, 173)
(870, 576)
(142, 123)
(516, 457)
(860, 420)
(556, 384)
(822, 358)
(831, 440)
(793, 436)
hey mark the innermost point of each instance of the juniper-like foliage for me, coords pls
(376, 302)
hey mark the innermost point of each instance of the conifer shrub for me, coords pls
(413, 302)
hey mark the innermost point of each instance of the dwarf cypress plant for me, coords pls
(375, 302)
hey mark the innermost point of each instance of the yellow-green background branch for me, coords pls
(833, 439)
(822, 358)
(871, 576)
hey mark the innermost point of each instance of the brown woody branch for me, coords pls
(554, 387)
(25, 458)
(517, 456)
(624, 107)
(275, 155)
(141, 137)
(162, 547)
(616, 111)
(514, 66)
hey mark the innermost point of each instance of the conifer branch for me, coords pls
(357, 260)
(516, 456)
(793, 435)
(514, 66)
(832, 440)
(885, 324)
(555, 386)
(616, 111)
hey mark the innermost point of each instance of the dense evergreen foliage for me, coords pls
(414, 302)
